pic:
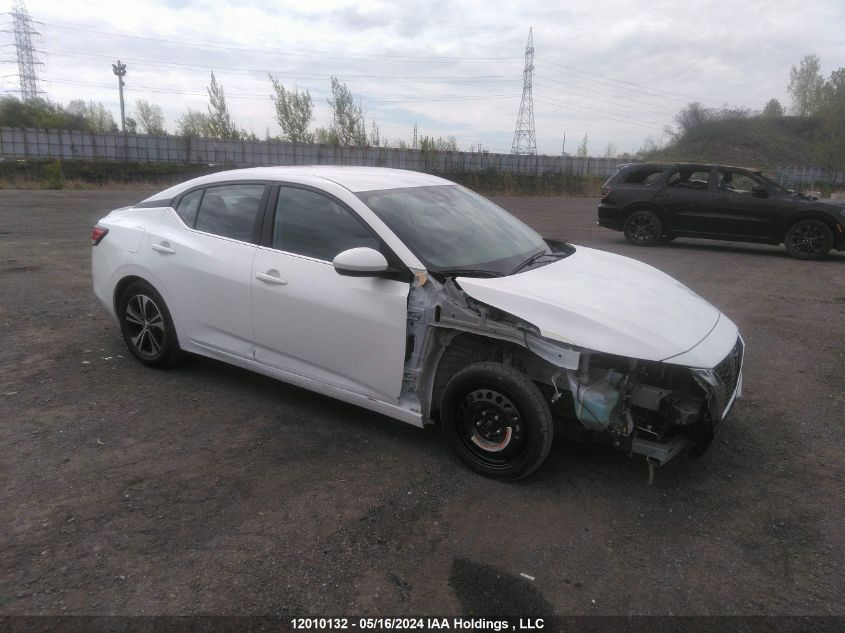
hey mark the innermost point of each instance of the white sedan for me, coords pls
(414, 297)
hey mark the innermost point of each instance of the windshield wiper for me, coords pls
(535, 258)
(467, 272)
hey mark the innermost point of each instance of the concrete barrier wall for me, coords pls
(23, 143)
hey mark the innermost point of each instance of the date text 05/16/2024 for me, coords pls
(417, 624)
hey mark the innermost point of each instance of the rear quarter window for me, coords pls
(642, 176)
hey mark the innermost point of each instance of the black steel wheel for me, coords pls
(808, 239)
(146, 326)
(496, 420)
(643, 228)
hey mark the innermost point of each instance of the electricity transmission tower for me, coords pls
(524, 138)
(27, 59)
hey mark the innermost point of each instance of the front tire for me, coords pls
(147, 327)
(496, 420)
(808, 239)
(643, 228)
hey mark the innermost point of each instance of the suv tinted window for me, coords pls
(642, 176)
(188, 206)
(689, 179)
(230, 211)
(738, 182)
(308, 223)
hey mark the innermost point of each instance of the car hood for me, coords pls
(603, 302)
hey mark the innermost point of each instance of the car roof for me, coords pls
(354, 179)
(690, 165)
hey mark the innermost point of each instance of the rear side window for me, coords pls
(310, 224)
(188, 207)
(230, 211)
(642, 176)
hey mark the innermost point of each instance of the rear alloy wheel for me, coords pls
(808, 239)
(147, 327)
(496, 420)
(643, 228)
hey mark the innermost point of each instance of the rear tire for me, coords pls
(643, 228)
(147, 327)
(808, 239)
(496, 420)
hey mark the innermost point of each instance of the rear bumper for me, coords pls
(610, 216)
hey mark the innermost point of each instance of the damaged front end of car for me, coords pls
(652, 408)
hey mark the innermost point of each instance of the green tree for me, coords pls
(100, 118)
(693, 117)
(97, 117)
(294, 112)
(805, 86)
(583, 152)
(375, 138)
(41, 113)
(150, 117)
(832, 121)
(220, 124)
(193, 123)
(323, 136)
(773, 108)
(347, 126)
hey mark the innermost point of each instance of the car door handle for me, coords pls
(270, 278)
(164, 247)
(721, 198)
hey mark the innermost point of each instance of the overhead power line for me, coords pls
(246, 71)
(266, 97)
(619, 83)
(602, 114)
(580, 90)
(314, 53)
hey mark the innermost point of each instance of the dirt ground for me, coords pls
(208, 489)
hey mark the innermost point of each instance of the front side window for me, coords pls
(450, 228)
(230, 211)
(738, 182)
(689, 179)
(308, 223)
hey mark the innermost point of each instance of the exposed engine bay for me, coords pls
(644, 407)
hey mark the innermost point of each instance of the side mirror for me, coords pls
(360, 262)
(760, 191)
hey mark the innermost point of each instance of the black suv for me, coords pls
(653, 203)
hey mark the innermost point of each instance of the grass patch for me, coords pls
(34, 174)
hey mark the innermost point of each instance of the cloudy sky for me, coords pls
(615, 70)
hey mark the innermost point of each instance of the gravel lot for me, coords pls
(209, 489)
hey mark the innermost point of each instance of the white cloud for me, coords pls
(614, 69)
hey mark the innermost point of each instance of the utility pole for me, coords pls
(26, 53)
(563, 146)
(524, 138)
(415, 136)
(120, 70)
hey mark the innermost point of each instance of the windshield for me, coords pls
(776, 185)
(451, 229)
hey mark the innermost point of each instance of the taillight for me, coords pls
(605, 191)
(97, 235)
